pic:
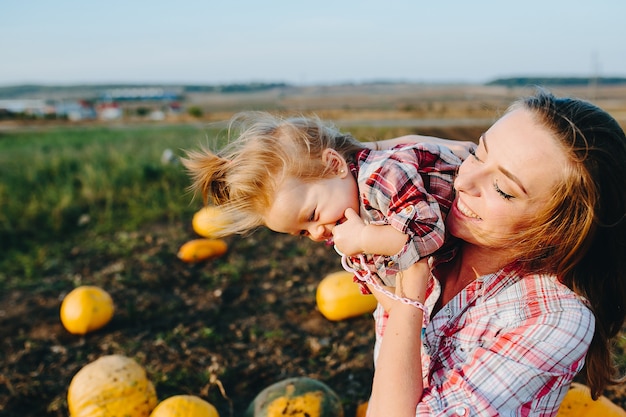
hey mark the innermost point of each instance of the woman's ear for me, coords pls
(335, 163)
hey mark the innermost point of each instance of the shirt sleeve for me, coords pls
(408, 187)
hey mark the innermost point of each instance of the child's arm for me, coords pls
(354, 236)
(458, 147)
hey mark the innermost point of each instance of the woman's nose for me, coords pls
(467, 179)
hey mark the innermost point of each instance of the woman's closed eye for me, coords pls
(502, 193)
(496, 187)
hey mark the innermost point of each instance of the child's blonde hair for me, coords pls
(242, 177)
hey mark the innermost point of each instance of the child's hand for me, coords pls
(347, 235)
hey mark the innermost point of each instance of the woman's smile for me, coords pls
(465, 210)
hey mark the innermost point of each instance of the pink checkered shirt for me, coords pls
(507, 345)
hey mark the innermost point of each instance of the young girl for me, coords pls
(382, 209)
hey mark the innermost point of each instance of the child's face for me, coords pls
(312, 208)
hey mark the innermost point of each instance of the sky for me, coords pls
(64, 42)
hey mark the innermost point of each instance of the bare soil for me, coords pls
(223, 329)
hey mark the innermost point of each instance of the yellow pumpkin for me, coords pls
(86, 308)
(184, 406)
(197, 250)
(112, 385)
(338, 297)
(361, 410)
(209, 222)
(578, 403)
(296, 397)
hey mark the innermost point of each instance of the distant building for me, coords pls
(34, 107)
(174, 108)
(109, 111)
(76, 110)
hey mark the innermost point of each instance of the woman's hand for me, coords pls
(412, 283)
(382, 298)
(397, 386)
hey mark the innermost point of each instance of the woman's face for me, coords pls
(508, 180)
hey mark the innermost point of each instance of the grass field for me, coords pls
(63, 182)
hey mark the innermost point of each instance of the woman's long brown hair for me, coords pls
(582, 235)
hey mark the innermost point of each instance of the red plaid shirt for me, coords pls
(409, 187)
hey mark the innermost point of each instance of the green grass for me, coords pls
(58, 183)
(61, 185)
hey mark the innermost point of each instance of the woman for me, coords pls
(535, 287)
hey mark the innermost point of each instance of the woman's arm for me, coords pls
(398, 386)
(458, 147)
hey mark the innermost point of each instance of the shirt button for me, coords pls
(460, 411)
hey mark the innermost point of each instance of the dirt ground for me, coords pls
(223, 329)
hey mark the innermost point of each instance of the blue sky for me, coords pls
(325, 41)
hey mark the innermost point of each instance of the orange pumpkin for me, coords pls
(361, 410)
(184, 406)
(338, 297)
(297, 397)
(86, 308)
(113, 385)
(197, 250)
(209, 222)
(578, 403)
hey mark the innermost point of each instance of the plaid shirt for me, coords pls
(506, 345)
(410, 188)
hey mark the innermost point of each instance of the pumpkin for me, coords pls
(338, 297)
(296, 397)
(184, 406)
(361, 410)
(112, 385)
(197, 250)
(86, 308)
(578, 403)
(209, 222)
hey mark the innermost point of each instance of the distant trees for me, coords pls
(195, 111)
(97, 90)
(556, 81)
(232, 88)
